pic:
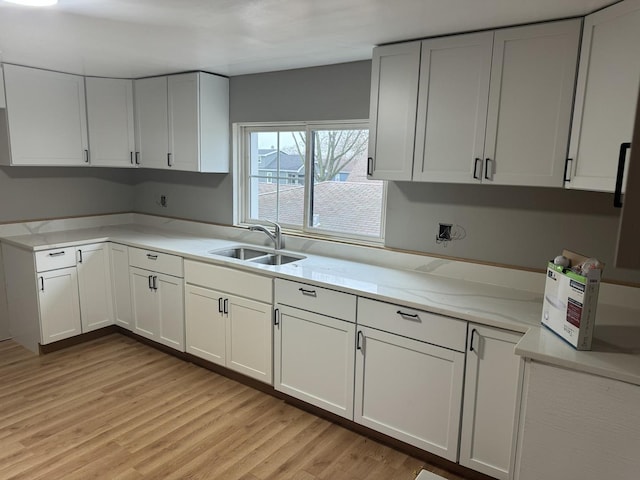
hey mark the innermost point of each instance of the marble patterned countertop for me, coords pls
(616, 348)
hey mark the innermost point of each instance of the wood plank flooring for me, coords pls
(114, 408)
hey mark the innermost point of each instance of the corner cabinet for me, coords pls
(493, 382)
(314, 337)
(606, 96)
(157, 296)
(110, 117)
(228, 318)
(46, 116)
(182, 122)
(492, 107)
(94, 286)
(120, 285)
(409, 375)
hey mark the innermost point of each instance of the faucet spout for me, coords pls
(276, 236)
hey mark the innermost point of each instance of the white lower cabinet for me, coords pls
(59, 305)
(313, 359)
(120, 285)
(493, 381)
(228, 318)
(410, 388)
(94, 286)
(157, 301)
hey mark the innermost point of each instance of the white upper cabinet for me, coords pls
(394, 90)
(183, 122)
(110, 116)
(46, 116)
(606, 95)
(452, 108)
(492, 107)
(152, 122)
(532, 83)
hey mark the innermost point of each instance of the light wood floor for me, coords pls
(114, 408)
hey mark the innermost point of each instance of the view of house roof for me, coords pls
(337, 206)
(288, 162)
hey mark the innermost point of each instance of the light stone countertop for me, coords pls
(616, 346)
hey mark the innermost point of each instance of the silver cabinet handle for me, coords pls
(56, 254)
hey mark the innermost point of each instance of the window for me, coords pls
(311, 178)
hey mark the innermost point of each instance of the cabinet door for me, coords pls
(394, 97)
(205, 324)
(452, 108)
(120, 285)
(532, 84)
(314, 359)
(170, 296)
(47, 117)
(493, 380)
(249, 345)
(409, 390)
(184, 122)
(607, 88)
(152, 122)
(94, 286)
(110, 115)
(144, 303)
(59, 305)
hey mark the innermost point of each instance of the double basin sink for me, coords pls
(256, 255)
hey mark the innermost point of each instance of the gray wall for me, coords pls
(334, 92)
(31, 193)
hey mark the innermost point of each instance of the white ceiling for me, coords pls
(134, 38)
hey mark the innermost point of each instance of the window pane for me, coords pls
(343, 199)
(277, 176)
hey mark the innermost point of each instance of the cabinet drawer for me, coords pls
(224, 279)
(316, 299)
(155, 261)
(416, 324)
(55, 258)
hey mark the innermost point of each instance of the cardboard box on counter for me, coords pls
(570, 301)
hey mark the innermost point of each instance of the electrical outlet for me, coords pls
(444, 231)
(163, 200)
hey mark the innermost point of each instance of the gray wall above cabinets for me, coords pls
(31, 193)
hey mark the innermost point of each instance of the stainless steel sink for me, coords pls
(276, 259)
(256, 255)
(240, 252)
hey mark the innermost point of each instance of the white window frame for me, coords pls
(241, 177)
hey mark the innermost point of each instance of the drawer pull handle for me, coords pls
(152, 257)
(473, 333)
(413, 316)
(56, 254)
(359, 340)
(310, 293)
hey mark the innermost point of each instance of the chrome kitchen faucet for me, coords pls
(276, 236)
